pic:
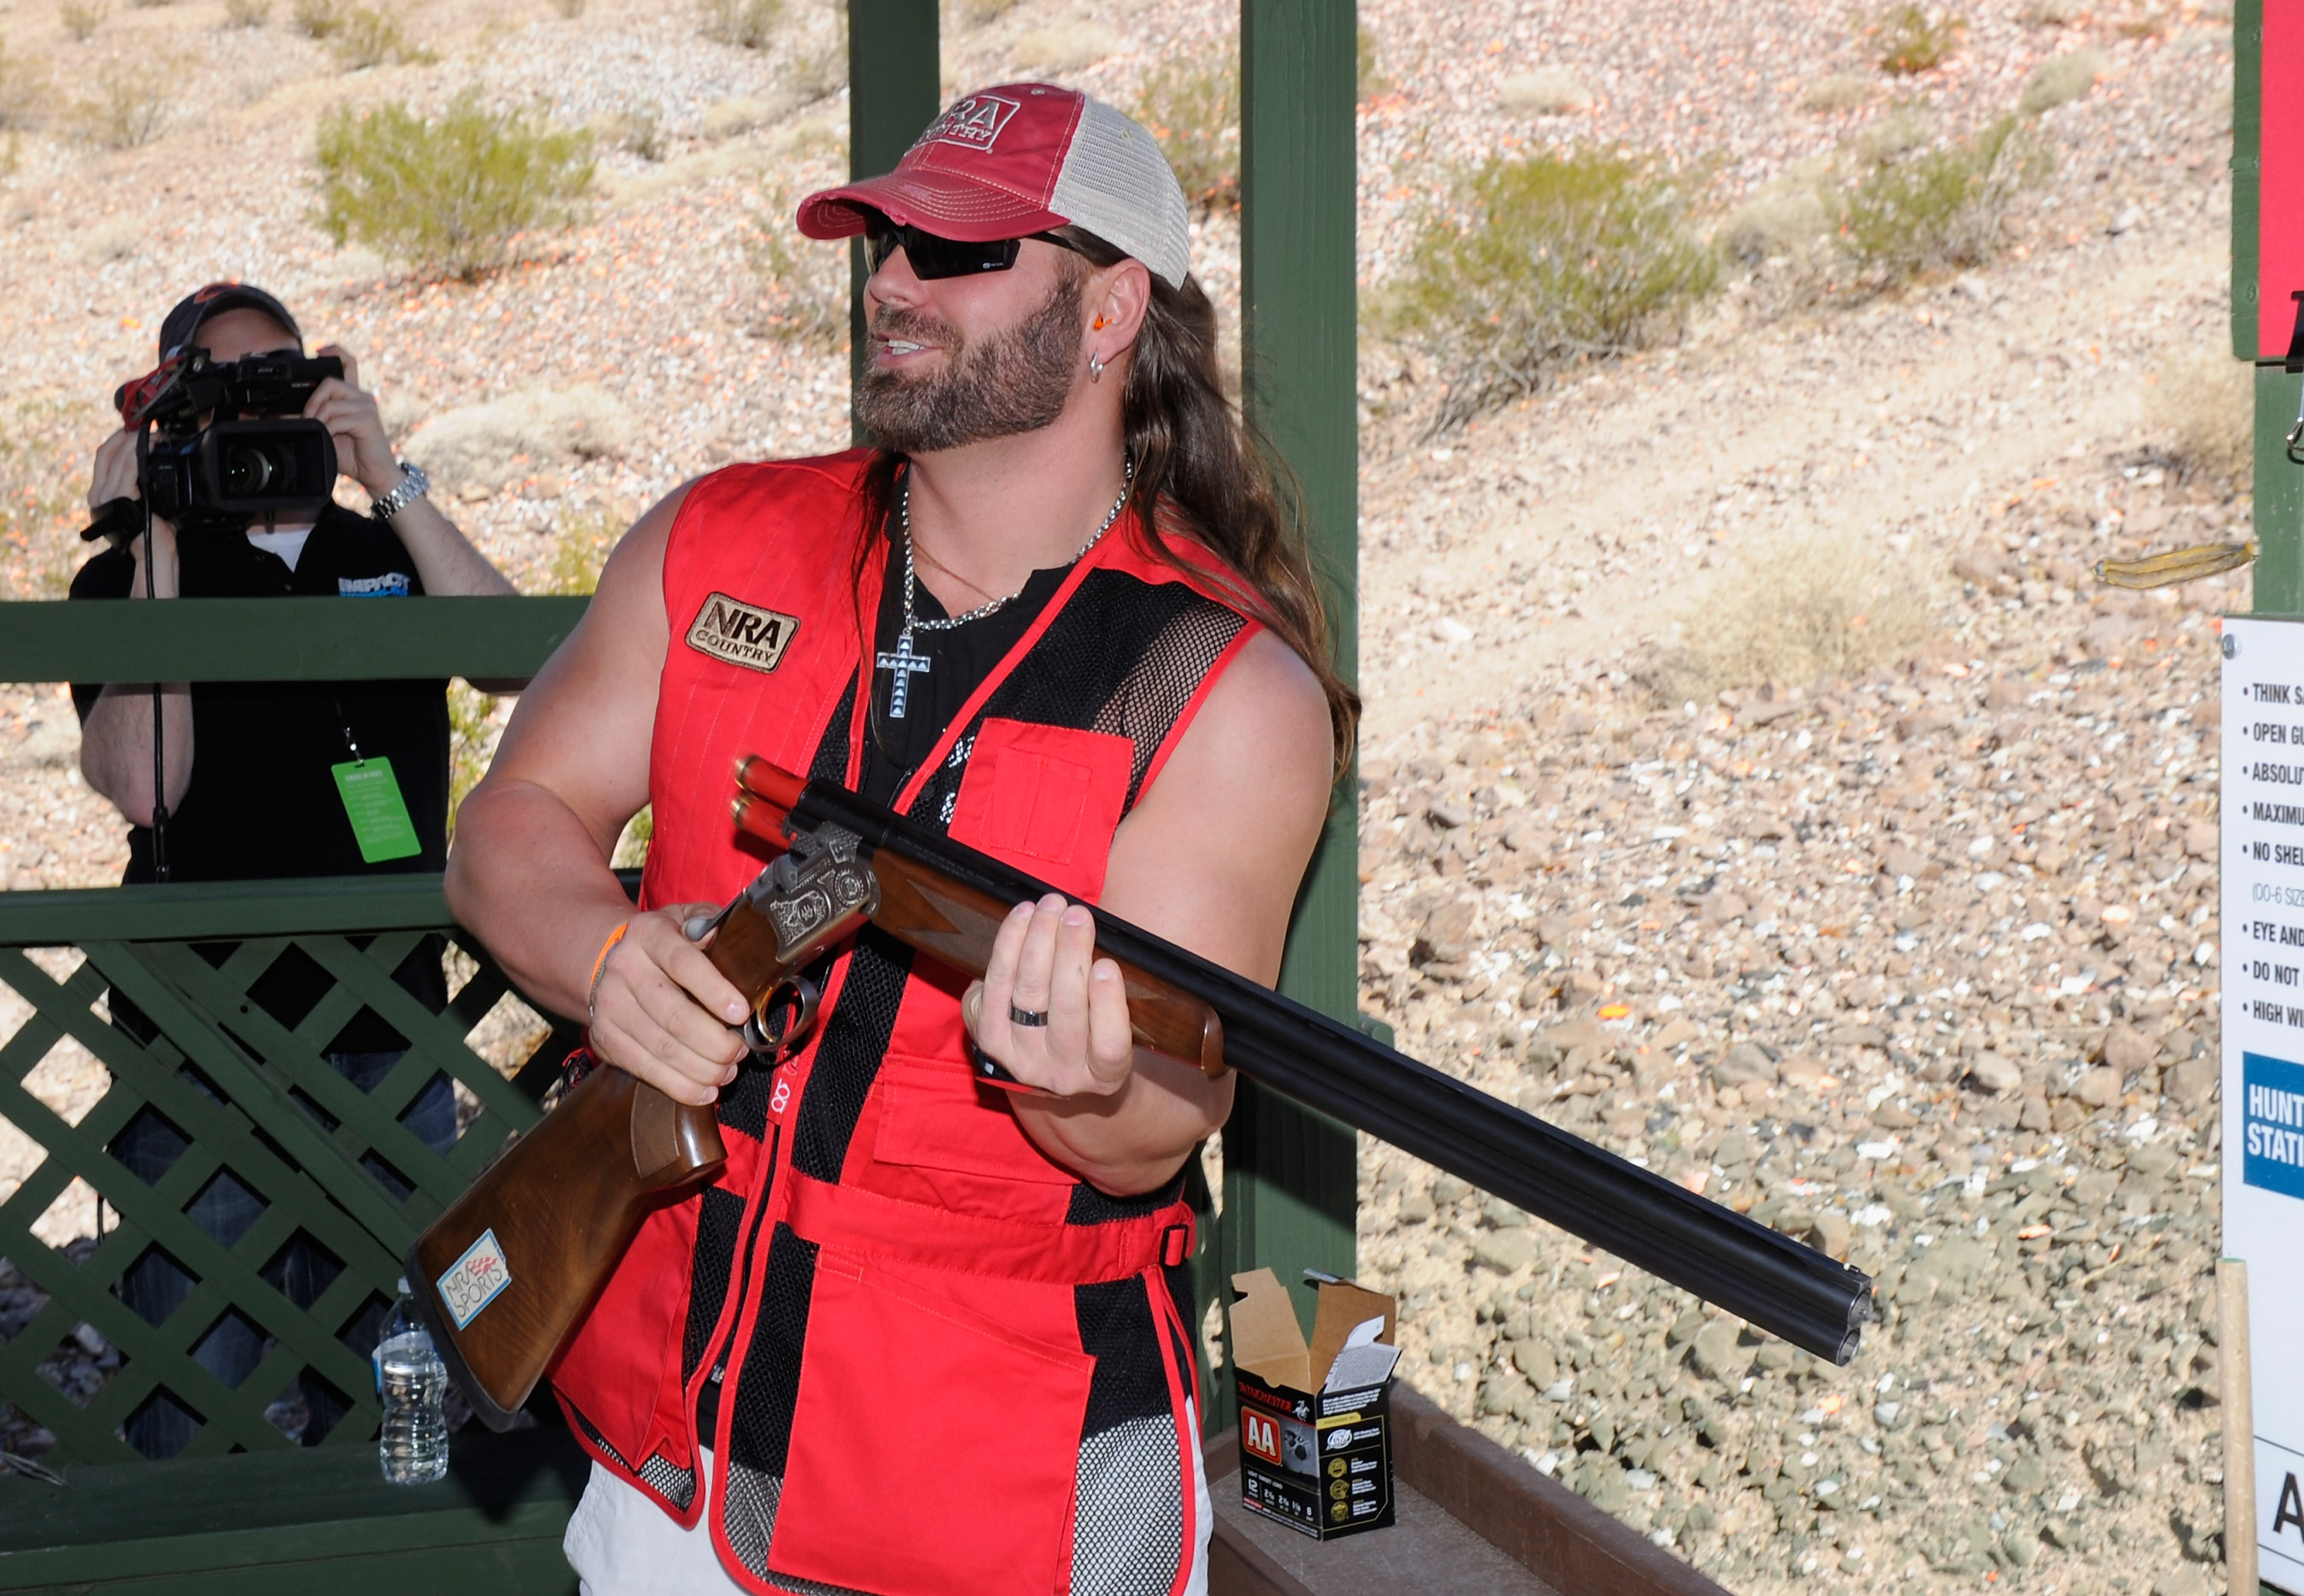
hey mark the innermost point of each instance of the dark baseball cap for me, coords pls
(185, 321)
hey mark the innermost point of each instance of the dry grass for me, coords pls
(369, 38)
(1840, 91)
(39, 512)
(749, 25)
(1548, 91)
(318, 19)
(1794, 611)
(491, 446)
(1068, 47)
(1193, 110)
(81, 18)
(22, 91)
(804, 292)
(1368, 77)
(2205, 403)
(1782, 223)
(2062, 80)
(246, 13)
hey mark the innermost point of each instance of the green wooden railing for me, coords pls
(257, 1104)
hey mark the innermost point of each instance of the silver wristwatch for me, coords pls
(413, 485)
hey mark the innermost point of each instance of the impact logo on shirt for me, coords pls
(392, 584)
(2272, 1125)
(739, 633)
(972, 123)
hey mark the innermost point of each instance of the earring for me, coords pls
(1094, 369)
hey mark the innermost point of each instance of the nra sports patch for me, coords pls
(741, 634)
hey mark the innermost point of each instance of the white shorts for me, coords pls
(621, 1543)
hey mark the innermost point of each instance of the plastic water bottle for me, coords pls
(411, 1380)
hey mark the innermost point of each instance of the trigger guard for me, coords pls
(802, 997)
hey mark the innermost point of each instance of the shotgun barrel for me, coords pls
(1768, 1279)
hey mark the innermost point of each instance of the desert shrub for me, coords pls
(450, 193)
(582, 548)
(1840, 91)
(2207, 405)
(492, 445)
(1548, 91)
(1796, 610)
(804, 292)
(246, 13)
(474, 728)
(83, 18)
(1938, 207)
(2062, 80)
(1551, 259)
(632, 848)
(2053, 13)
(1910, 42)
(749, 24)
(127, 111)
(572, 10)
(372, 37)
(1192, 109)
(318, 19)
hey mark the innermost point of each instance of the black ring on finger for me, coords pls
(1027, 1017)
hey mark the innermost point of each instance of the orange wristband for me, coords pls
(592, 989)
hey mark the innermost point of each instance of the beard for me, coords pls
(1013, 381)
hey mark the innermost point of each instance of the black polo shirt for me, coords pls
(262, 803)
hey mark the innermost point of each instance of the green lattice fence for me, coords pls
(255, 1102)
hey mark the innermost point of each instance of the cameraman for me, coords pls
(250, 789)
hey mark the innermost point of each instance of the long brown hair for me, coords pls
(1203, 470)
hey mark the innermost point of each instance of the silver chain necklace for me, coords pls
(902, 663)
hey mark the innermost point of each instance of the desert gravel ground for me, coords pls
(1919, 961)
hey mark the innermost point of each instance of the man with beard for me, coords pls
(927, 1333)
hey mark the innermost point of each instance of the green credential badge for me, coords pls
(378, 814)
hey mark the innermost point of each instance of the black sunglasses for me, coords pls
(932, 257)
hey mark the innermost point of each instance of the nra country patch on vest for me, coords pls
(741, 634)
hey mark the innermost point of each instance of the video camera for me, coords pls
(205, 463)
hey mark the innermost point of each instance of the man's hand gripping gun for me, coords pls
(547, 1223)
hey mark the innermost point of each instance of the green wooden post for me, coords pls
(893, 92)
(1290, 1175)
(2279, 482)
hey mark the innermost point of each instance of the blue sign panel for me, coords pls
(2272, 1124)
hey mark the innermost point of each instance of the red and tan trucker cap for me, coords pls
(1021, 158)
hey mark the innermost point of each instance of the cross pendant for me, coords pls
(904, 664)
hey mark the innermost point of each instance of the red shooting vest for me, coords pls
(947, 1364)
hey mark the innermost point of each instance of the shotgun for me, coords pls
(504, 1274)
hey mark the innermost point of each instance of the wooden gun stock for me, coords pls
(537, 1235)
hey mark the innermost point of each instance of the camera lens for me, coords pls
(249, 470)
